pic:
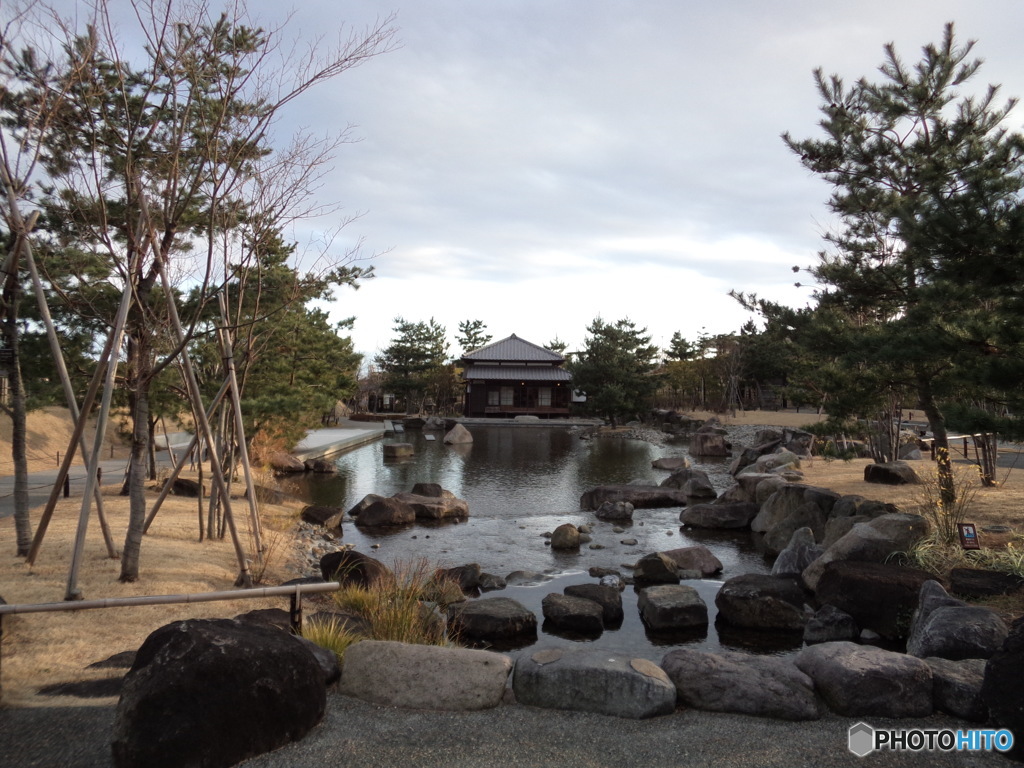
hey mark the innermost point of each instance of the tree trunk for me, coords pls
(137, 469)
(22, 520)
(940, 441)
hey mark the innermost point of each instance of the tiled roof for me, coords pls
(515, 350)
(516, 373)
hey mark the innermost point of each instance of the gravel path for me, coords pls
(355, 733)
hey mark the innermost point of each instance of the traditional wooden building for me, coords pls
(513, 377)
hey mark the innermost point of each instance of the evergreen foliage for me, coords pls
(615, 369)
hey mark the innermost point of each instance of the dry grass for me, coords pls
(45, 648)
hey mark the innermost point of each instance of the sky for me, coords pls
(536, 164)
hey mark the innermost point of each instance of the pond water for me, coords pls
(521, 482)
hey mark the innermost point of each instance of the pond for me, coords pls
(521, 482)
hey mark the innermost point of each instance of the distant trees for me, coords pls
(416, 364)
(472, 335)
(615, 369)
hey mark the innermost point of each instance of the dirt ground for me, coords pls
(48, 648)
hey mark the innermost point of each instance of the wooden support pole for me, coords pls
(92, 477)
(165, 491)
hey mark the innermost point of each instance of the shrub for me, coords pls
(943, 516)
(332, 634)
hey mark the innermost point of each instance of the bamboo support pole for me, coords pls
(165, 491)
(243, 451)
(92, 480)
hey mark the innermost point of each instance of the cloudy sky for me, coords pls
(539, 163)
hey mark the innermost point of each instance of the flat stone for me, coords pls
(727, 681)
(495, 621)
(864, 681)
(424, 676)
(573, 614)
(594, 681)
(672, 607)
(607, 596)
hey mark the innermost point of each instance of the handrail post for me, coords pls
(296, 612)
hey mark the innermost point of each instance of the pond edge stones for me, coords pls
(594, 681)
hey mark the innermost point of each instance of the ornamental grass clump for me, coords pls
(935, 505)
(332, 634)
(400, 605)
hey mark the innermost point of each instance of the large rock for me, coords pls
(800, 552)
(974, 582)
(424, 676)
(457, 435)
(757, 601)
(213, 693)
(1004, 681)
(681, 477)
(593, 681)
(784, 503)
(864, 681)
(608, 597)
(366, 501)
(669, 607)
(285, 463)
(729, 515)
(615, 510)
(880, 596)
(777, 460)
(891, 473)
(765, 686)
(873, 541)
(671, 463)
(707, 444)
(398, 450)
(573, 614)
(351, 567)
(386, 513)
(328, 517)
(320, 466)
(697, 558)
(829, 624)
(656, 568)
(807, 515)
(950, 629)
(500, 622)
(565, 536)
(466, 576)
(640, 496)
(440, 507)
(956, 688)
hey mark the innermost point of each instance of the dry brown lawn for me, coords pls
(47, 648)
(42, 649)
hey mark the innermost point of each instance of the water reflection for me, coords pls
(521, 482)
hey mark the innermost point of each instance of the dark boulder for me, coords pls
(608, 597)
(573, 614)
(183, 486)
(328, 517)
(1001, 689)
(497, 622)
(640, 496)
(757, 601)
(719, 515)
(214, 693)
(879, 596)
(386, 513)
(428, 489)
(351, 567)
(974, 582)
(891, 473)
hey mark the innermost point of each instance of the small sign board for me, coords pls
(968, 535)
